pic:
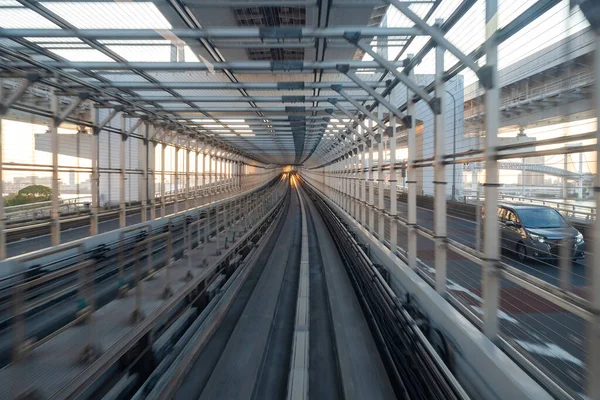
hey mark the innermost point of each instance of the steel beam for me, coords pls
(240, 99)
(288, 86)
(212, 33)
(355, 102)
(372, 92)
(435, 34)
(359, 122)
(268, 66)
(390, 67)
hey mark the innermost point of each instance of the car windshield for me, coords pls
(541, 218)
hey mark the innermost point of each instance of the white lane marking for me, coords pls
(550, 350)
(501, 314)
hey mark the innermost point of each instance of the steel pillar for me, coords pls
(95, 176)
(196, 176)
(371, 184)
(593, 328)
(54, 212)
(440, 219)
(363, 186)
(380, 180)
(491, 241)
(2, 222)
(176, 179)
(163, 200)
(393, 185)
(187, 176)
(122, 174)
(144, 186)
(153, 174)
(411, 180)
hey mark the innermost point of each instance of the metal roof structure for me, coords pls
(254, 76)
(277, 82)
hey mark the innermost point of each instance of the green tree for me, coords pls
(31, 194)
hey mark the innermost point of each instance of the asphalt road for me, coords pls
(28, 245)
(552, 337)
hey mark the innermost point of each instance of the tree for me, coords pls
(31, 194)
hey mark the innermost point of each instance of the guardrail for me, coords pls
(574, 211)
(31, 280)
(468, 301)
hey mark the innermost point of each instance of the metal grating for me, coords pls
(271, 17)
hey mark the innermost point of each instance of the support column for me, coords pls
(122, 174)
(187, 176)
(204, 159)
(355, 185)
(380, 180)
(440, 219)
(371, 184)
(491, 241)
(363, 186)
(197, 176)
(163, 199)
(2, 222)
(152, 168)
(144, 188)
(593, 328)
(54, 212)
(411, 180)
(393, 185)
(95, 174)
(176, 180)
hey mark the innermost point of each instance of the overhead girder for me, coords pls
(268, 66)
(239, 99)
(208, 33)
(291, 85)
(287, 109)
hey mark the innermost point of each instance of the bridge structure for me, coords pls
(246, 234)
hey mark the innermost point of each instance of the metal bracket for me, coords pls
(352, 37)
(343, 68)
(486, 76)
(293, 99)
(287, 65)
(290, 85)
(295, 109)
(280, 33)
(436, 105)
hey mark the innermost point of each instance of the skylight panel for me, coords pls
(23, 18)
(82, 55)
(53, 40)
(10, 3)
(143, 53)
(109, 15)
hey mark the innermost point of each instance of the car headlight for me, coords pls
(539, 238)
(579, 238)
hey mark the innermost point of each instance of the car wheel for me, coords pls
(521, 253)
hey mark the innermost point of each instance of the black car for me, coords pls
(533, 231)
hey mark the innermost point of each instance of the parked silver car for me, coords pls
(533, 231)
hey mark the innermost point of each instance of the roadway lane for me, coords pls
(549, 335)
(68, 235)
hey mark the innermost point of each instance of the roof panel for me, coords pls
(24, 18)
(109, 15)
